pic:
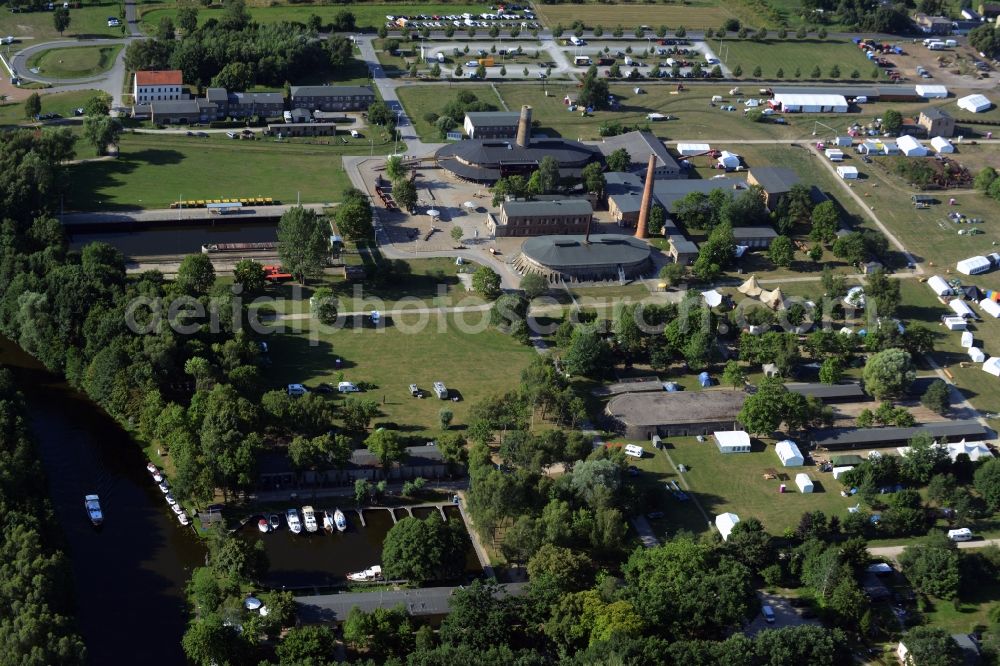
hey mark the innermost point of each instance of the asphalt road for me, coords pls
(893, 552)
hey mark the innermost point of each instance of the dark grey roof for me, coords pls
(848, 437)
(559, 207)
(493, 118)
(416, 456)
(627, 202)
(216, 95)
(480, 159)
(326, 608)
(640, 145)
(181, 106)
(934, 113)
(741, 233)
(828, 391)
(330, 91)
(567, 252)
(618, 182)
(669, 192)
(654, 409)
(774, 180)
(683, 245)
(260, 97)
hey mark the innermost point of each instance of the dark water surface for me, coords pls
(180, 239)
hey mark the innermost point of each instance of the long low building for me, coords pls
(538, 218)
(847, 392)
(893, 93)
(578, 258)
(639, 146)
(856, 438)
(676, 414)
(811, 103)
(491, 124)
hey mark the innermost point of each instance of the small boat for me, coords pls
(183, 518)
(373, 573)
(164, 488)
(93, 505)
(158, 476)
(151, 468)
(328, 521)
(275, 521)
(292, 516)
(340, 520)
(262, 525)
(177, 509)
(309, 518)
(170, 499)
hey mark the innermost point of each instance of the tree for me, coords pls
(379, 114)
(757, 72)
(593, 178)
(308, 644)
(533, 285)
(548, 174)
(892, 121)
(764, 410)
(32, 106)
(781, 252)
(831, 371)
(358, 414)
(825, 222)
(594, 92)
(816, 72)
(324, 306)
(619, 160)
(423, 550)
(933, 646)
(486, 282)
(987, 481)
(60, 19)
(750, 544)
(250, 275)
(235, 16)
(835, 72)
(733, 375)
(383, 632)
(738, 71)
(394, 168)
(101, 132)
(303, 243)
(986, 38)
(445, 417)
(387, 447)
(587, 354)
(888, 373)
(932, 567)
(657, 218)
(98, 105)
(196, 274)
(672, 274)
(187, 18)
(883, 292)
(937, 397)
(210, 641)
(985, 178)
(165, 30)
(405, 194)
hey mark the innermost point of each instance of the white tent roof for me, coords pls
(693, 148)
(855, 297)
(725, 522)
(975, 450)
(806, 99)
(973, 265)
(750, 287)
(974, 103)
(942, 145)
(955, 323)
(992, 366)
(910, 146)
(977, 354)
(728, 159)
(968, 340)
(789, 453)
(990, 307)
(732, 437)
(712, 298)
(961, 308)
(929, 91)
(939, 285)
(804, 483)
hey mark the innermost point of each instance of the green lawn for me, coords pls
(693, 14)
(655, 472)
(805, 54)
(367, 15)
(75, 62)
(473, 365)
(62, 103)
(35, 27)
(154, 171)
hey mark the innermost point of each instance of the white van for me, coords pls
(440, 390)
(576, 41)
(716, 98)
(768, 613)
(297, 389)
(347, 387)
(355, 134)
(633, 450)
(963, 534)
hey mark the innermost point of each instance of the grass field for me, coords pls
(75, 62)
(34, 27)
(472, 365)
(805, 54)
(696, 14)
(62, 103)
(367, 15)
(153, 171)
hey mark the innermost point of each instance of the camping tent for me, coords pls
(728, 160)
(975, 450)
(910, 146)
(942, 145)
(773, 299)
(840, 471)
(804, 483)
(973, 265)
(931, 91)
(732, 441)
(771, 370)
(725, 522)
(967, 340)
(990, 307)
(955, 323)
(974, 103)
(789, 453)
(704, 380)
(847, 172)
(855, 297)
(938, 284)
(992, 366)
(977, 354)
(689, 149)
(834, 154)
(750, 287)
(712, 298)
(962, 309)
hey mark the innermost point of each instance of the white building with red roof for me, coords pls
(159, 85)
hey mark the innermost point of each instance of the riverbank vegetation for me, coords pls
(37, 622)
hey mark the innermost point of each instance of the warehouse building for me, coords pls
(936, 122)
(676, 414)
(858, 438)
(332, 98)
(624, 197)
(810, 103)
(754, 237)
(669, 192)
(537, 218)
(776, 182)
(574, 258)
(639, 146)
(491, 124)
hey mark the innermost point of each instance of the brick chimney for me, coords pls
(524, 127)
(647, 200)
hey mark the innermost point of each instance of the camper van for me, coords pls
(581, 60)
(963, 534)
(633, 450)
(576, 41)
(440, 390)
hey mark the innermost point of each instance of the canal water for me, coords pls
(177, 239)
(129, 575)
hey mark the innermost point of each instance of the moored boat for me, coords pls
(274, 520)
(372, 573)
(164, 488)
(177, 509)
(158, 476)
(93, 505)
(170, 499)
(183, 518)
(292, 517)
(262, 525)
(309, 518)
(340, 520)
(151, 468)
(328, 521)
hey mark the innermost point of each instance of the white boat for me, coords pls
(328, 521)
(164, 488)
(340, 520)
(170, 499)
(151, 468)
(373, 573)
(157, 476)
(93, 505)
(292, 517)
(183, 518)
(262, 525)
(177, 509)
(309, 518)
(274, 521)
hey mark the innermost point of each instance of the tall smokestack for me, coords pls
(647, 199)
(524, 127)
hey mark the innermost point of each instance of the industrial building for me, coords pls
(776, 182)
(536, 218)
(639, 146)
(936, 122)
(624, 198)
(975, 103)
(810, 103)
(491, 124)
(676, 414)
(331, 98)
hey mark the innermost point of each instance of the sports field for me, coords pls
(33, 27)
(791, 54)
(696, 15)
(75, 62)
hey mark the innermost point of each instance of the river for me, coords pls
(129, 575)
(176, 239)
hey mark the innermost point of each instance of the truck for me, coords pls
(576, 41)
(487, 61)
(604, 62)
(581, 60)
(936, 46)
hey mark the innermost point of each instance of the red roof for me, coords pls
(169, 77)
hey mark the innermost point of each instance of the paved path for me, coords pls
(646, 535)
(893, 552)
